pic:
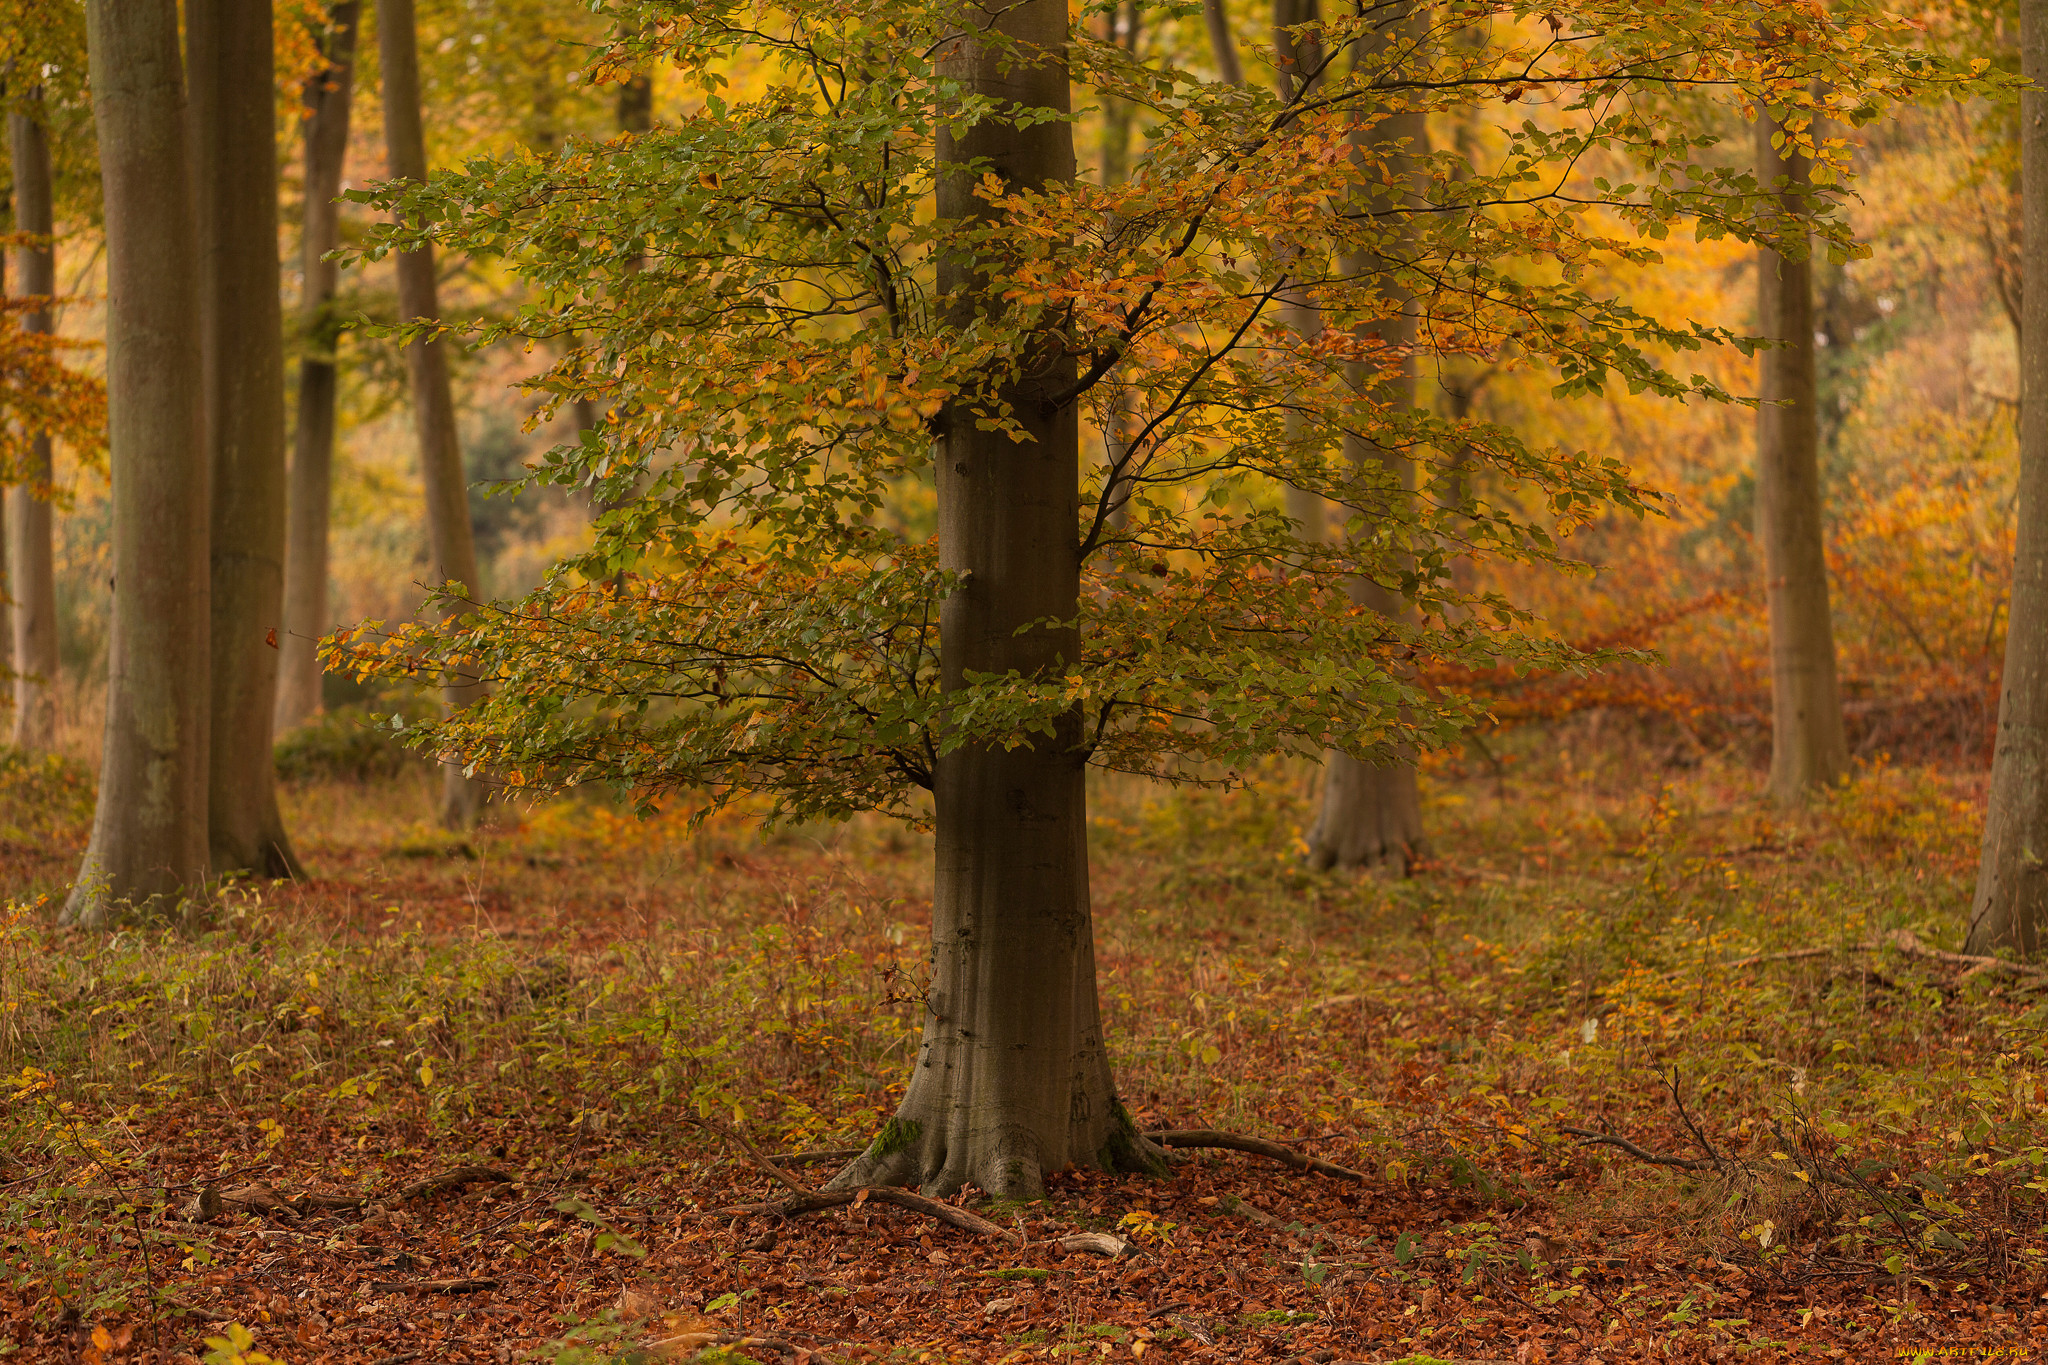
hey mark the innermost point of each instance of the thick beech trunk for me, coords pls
(454, 539)
(1297, 59)
(148, 844)
(1808, 749)
(1012, 1079)
(2012, 878)
(311, 497)
(228, 63)
(31, 568)
(1371, 815)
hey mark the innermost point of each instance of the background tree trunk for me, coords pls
(1297, 56)
(311, 498)
(31, 568)
(2012, 877)
(1222, 43)
(1808, 749)
(149, 828)
(1371, 815)
(1012, 1079)
(454, 539)
(228, 62)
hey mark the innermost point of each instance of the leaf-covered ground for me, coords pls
(597, 1009)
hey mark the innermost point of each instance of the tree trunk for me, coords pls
(1296, 56)
(454, 540)
(1222, 43)
(148, 844)
(31, 568)
(312, 475)
(1807, 745)
(2012, 877)
(1371, 814)
(635, 112)
(1012, 1079)
(228, 62)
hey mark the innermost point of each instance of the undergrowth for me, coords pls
(1599, 963)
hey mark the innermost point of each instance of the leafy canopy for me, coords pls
(751, 290)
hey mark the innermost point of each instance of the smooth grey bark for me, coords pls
(454, 538)
(2012, 874)
(1808, 748)
(1012, 1079)
(311, 496)
(1371, 813)
(31, 567)
(148, 846)
(229, 60)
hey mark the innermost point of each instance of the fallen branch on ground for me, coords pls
(1593, 1139)
(819, 1200)
(738, 1139)
(828, 1156)
(465, 1286)
(1098, 1244)
(1237, 1142)
(456, 1179)
(1907, 944)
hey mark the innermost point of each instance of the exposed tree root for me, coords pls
(1237, 1142)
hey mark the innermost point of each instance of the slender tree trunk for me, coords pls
(31, 568)
(311, 497)
(1297, 56)
(1012, 1079)
(635, 112)
(228, 61)
(1807, 745)
(2012, 877)
(148, 844)
(1222, 44)
(1118, 121)
(454, 539)
(7, 499)
(1371, 814)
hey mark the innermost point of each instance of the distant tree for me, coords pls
(433, 403)
(1371, 815)
(2011, 900)
(325, 116)
(229, 59)
(1808, 748)
(149, 833)
(877, 272)
(42, 400)
(31, 572)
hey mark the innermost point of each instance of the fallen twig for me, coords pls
(1238, 1142)
(1096, 1243)
(1907, 944)
(740, 1140)
(451, 1180)
(828, 1156)
(1593, 1139)
(816, 1201)
(463, 1286)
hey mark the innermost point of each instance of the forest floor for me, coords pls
(1827, 1138)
